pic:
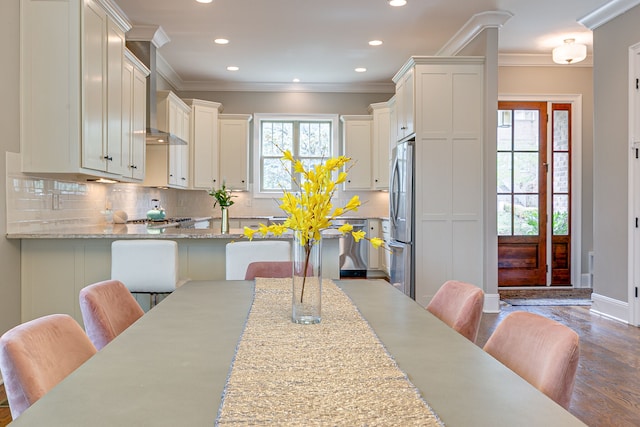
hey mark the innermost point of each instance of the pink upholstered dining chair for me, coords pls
(459, 305)
(540, 350)
(275, 269)
(108, 308)
(37, 355)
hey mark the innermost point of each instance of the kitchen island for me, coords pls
(57, 263)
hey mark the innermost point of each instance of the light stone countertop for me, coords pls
(141, 231)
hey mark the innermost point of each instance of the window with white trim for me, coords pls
(311, 139)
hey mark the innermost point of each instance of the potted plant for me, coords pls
(223, 198)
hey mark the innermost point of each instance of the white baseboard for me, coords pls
(491, 303)
(609, 307)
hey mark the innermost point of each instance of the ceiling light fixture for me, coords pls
(233, 68)
(221, 41)
(360, 70)
(570, 52)
(397, 3)
(204, 1)
(375, 42)
(296, 80)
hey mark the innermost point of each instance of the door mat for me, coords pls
(547, 301)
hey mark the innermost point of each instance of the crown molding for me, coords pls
(148, 33)
(116, 13)
(474, 26)
(536, 60)
(606, 13)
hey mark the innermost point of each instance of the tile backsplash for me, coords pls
(39, 203)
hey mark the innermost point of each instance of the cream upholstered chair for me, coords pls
(37, 355)
(148, 266)
(240, 254)
(540, 350)
(459, 305)
(108, 308)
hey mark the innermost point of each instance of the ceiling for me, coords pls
(321, 42)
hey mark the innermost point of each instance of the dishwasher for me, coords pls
(353, 256)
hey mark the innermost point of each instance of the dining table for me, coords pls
(172, 367)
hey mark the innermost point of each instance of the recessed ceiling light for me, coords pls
(233, 68)
(375, 42)
(360, 70)
(221, 41)
(397, 2)
(204, 1)
(296, 80)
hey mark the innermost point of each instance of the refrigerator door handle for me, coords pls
(395, 193)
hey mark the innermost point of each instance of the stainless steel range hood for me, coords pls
(143, 41)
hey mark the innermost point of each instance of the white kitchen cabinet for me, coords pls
(393, 120)
(167, 165)
(373, 230)
(204, 147)
(134, 107)
(449, 164)
(380, 145)
(71, 86)
(356, 141)
(405, 97)
(385, 259)
(234, 150)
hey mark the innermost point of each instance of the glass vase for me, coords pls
(307, 281)
(224, 223)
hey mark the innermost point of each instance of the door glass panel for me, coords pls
(504, 215)
(526, 128)
(504, 173)
(560, 215)
(525, 218)
(504, 130)
(561, 130)
(525, 172)
(560, 172)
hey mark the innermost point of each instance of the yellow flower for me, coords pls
(376, 242)
(358, 235)
(249, 232)
(344, 229)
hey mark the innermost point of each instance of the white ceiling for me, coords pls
(321, 42)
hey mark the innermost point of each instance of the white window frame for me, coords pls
(258, 118)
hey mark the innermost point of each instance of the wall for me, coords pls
(9, 141)
(611, 150)
(557, 81)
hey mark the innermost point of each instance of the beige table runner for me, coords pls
(334, 373)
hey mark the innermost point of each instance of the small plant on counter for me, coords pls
(222, 196)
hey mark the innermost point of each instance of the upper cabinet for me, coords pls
(404, 103)
(71, 65)
(380, 145)
(204, 152)
(356, 131)
(168, 164)
(234, 150)
(134, 112)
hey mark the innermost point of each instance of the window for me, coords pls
(310, 139)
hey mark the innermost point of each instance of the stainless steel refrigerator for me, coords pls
(401, 218)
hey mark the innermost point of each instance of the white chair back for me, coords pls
(240, 254)
(146, 265)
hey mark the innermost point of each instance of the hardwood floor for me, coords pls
(607, 390)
